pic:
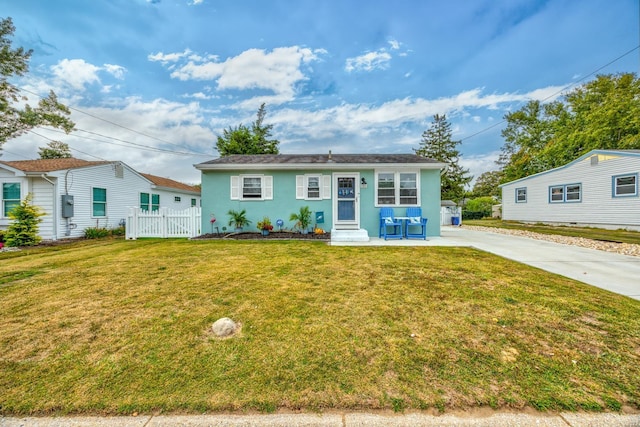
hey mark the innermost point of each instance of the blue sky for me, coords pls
(152, 83)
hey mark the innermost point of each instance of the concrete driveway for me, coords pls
(606, 270)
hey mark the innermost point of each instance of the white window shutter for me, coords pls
(235, 187)
(326, 186)
(267, 187)
(300, 186)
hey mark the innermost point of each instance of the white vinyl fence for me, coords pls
(163, 223)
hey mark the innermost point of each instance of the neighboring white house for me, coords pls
(600, 189)
(77, 194)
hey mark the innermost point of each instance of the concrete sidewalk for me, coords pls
(614, 272)
(349, 419)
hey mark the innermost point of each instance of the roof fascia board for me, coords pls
(16, 172)
(316, 166)
(174, 190)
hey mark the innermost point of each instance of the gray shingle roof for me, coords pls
(318, 159)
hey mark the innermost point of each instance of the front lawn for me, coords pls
(123, 326)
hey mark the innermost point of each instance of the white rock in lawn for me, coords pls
(224, 327)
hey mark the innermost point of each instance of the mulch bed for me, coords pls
(274, 235)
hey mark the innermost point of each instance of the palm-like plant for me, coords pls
(302, 218)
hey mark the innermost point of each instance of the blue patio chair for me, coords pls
(414, 221)
(390, 227)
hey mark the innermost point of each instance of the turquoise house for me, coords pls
(345, 192)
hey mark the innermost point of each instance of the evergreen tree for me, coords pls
(55, 150)
(248, 140)
(438, 144)
(23, 231)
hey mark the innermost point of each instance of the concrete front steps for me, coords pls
(359, 235)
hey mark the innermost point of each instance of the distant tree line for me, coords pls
(602, 114)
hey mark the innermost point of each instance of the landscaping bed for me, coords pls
(273, 235)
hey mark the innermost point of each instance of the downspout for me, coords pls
(55, 207)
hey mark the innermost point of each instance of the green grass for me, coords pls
(117, 327)
(620, 236)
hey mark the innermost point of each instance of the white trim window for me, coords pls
(521, 195)
(149, 201)
(10, 197)
(397, 188)
(573, 193)
(625, 185)
(313, 187)
(556, 194)
(569, 193)
(252, 187)
(98, 202)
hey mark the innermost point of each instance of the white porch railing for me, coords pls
(163, 223)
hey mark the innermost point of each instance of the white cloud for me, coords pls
(480, 164)
(395, 44)
(277, 71)
(76, 73)
(116, 70)
(198, 95)
(169, 57)
(364, 120)
(370, 61)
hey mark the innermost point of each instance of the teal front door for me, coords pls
(346, 201)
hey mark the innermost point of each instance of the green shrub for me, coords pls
(99, 232)
(96, 232)
(23, 231)
(2, 236)
(475, 214)
(118, 231)
(480, 204)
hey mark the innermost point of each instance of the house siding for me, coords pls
(43, 193)
(122, 193)
(216, 199)
(597, 207)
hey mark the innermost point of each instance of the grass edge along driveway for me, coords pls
(118, 327)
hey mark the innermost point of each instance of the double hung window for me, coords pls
(149, 202)
(625, 185)
(252, 187)
(397, 189)
(570, 193)
(521, 195)
(10, 197)
(99, 202)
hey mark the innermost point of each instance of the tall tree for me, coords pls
(248, 140)
(526, 134)
(437, 143)
(16, 119)
(487, 184)
(55, 150)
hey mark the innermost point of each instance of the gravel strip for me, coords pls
(619, 248)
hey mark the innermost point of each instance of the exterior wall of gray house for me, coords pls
(599, 189)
